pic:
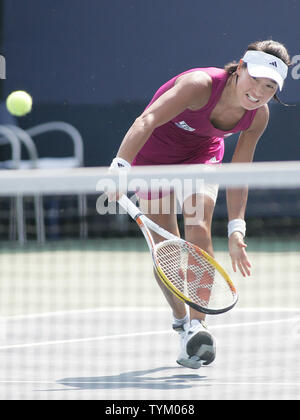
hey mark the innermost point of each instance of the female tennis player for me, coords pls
(186, 123)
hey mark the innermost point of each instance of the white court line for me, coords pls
(89, 311)
(138, 334)
(133, 309)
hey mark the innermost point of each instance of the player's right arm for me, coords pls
(191, 90)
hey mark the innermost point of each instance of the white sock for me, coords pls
(181, 321)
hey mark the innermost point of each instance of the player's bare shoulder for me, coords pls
(201, 84)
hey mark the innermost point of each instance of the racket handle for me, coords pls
(128, 205)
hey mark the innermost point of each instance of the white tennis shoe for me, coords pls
(198, 346)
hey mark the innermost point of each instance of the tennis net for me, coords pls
(81, 312)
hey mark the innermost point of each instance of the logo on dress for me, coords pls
(184, 126)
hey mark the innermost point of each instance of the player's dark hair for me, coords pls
(270, 47)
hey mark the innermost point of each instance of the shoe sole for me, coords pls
(192, 363)
(201, 351)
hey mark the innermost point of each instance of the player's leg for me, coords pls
(198, 212)
(163, 212)
(198, 346)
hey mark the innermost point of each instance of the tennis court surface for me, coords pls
(83, 318)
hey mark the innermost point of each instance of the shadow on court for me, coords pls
(136, 379)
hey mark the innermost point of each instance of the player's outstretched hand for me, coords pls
(238, 254)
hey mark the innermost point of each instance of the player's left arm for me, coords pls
(237, 198)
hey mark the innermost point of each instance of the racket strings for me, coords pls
(192, 274)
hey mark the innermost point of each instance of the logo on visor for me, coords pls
(273, 64)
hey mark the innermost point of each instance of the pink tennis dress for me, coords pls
(190, 137)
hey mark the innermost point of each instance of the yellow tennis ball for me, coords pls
(19, 103)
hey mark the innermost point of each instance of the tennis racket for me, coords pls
(186, 270)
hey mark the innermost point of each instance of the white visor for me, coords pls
(261, 64)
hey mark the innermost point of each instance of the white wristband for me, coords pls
(237, 225)
(119, 163)
(119, 167)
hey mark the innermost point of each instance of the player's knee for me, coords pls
(201, 230)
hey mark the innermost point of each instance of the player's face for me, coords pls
(254, 92)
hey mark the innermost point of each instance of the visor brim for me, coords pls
(256, 70)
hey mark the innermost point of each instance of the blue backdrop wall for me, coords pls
(96, 63)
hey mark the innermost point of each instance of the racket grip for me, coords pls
(128, 205)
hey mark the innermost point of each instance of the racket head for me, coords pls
(194, 276)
